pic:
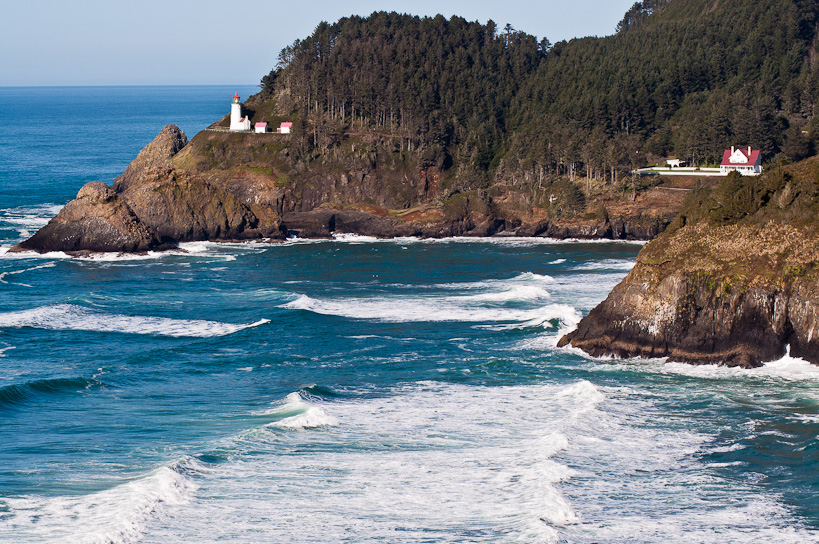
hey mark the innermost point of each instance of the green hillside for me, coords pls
(486, 105)
(689, 79)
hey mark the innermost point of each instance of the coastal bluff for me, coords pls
(733, 280)
(152, 206)
(223, 186)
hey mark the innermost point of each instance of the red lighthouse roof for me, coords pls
(236, 95)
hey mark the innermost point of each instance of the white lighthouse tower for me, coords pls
(237, 122)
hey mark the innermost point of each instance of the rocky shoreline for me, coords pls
(155, 205)
(686, 318)
(732, 281)
(721, 284)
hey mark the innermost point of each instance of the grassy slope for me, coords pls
(747, 231)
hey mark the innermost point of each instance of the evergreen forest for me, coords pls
(487, 104)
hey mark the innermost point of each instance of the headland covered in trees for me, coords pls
(429, 126)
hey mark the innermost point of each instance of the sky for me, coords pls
(209, 42)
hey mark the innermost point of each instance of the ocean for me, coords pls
(351, 390)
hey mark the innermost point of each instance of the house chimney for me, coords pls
(749, 151)
(732, 150)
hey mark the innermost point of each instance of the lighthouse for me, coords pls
(237, 122)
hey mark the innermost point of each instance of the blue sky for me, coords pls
(175, 42)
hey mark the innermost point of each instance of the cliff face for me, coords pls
(401, 191)
(97, 220)
(154, 206)
(234, 186)
(734, 280)
(182, 207)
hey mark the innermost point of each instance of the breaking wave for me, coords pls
(297, 414)
(118, 515)
(72, 317)
(522, 300)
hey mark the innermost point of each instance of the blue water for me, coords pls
(351, 390)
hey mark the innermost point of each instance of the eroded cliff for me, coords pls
(733, 281)
(153, 206)
(240, 186)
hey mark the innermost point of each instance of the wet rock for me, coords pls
(322, 223)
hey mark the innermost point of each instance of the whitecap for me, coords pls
(487, 455)
(584, 396)
(787, 368)
(508, 241)
(607, 264)
(727, 449)
(518, 302)
(355, 238)
(72, 317)
(428, 309)
(211, 250)
(4, 275)
(34, 216)
(527, 279)
(119, 515)
(297, 414)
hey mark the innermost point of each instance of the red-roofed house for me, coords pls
(285, 128)
(261, 127)
(747, 163)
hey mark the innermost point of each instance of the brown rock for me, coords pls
(167, 143)
(97, 220)
(180, 207)
(711, 304)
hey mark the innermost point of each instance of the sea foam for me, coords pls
(118, 515)
(428, 461)
(297, 414)
(73, 317)
(522, 301)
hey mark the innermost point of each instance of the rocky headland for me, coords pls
(238, 186)
(733, 280)
(153, 206)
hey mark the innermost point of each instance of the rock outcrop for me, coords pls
(229, 186)
(153, 206)
(695, 318)
(735, 281)
(167, 143)
(621, 228)
(98, 220)
(182, 207)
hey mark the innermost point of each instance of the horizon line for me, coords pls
(134, 85)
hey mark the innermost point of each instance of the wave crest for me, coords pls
(297, 414)
(114, 516)
(72, 317)
(19, 393)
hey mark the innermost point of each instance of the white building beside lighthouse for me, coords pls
(237, 122)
